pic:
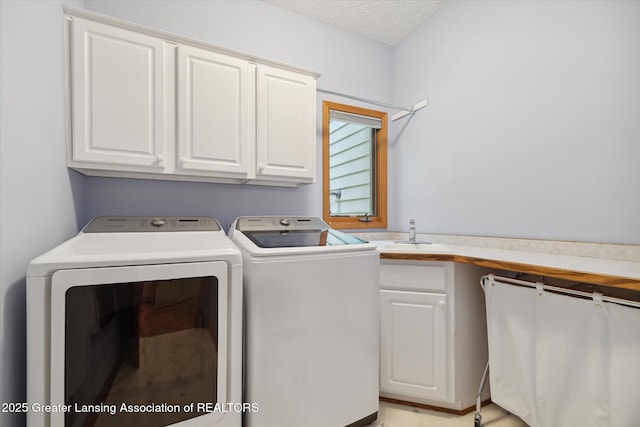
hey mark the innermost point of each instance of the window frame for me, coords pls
(379, 220)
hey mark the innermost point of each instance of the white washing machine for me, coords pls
(136, 321)
(311, 323)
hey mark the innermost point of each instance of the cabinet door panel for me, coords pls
(118, 96)
(216, 115)
(414, 348)
(286, 124)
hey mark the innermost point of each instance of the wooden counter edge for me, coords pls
(593, 278)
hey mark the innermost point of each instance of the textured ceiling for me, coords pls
(387, 21)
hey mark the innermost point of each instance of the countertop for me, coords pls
(616, 266)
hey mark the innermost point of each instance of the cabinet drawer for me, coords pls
(417, 276)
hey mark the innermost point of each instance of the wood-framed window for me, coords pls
(354, 159)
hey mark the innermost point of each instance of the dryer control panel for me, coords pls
(133, 224)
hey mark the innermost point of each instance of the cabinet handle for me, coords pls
(442, 304)
(260, 169)
(183, 161)
(159, 159)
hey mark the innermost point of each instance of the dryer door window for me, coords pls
(139, 352)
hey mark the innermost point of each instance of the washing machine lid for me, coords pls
(301, 238)
(267, 234)
(124, 241)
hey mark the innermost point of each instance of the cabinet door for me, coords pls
(117, 80)
(216, 119)
(414, 348)
(286, 146)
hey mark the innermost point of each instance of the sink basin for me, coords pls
(419, 247)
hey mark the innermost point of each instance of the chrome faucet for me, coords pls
(412, 231)
(412, 235)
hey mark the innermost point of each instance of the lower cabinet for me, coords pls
(433, 346)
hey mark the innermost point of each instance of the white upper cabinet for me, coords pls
(117, 97)
(216, 120)
(286, 121)
(149, 104)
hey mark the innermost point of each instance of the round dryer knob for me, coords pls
(285, 221)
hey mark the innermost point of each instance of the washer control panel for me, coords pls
(276, 223)
(132, 224)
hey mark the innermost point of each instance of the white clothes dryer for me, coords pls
(311, 323)
(136, 321)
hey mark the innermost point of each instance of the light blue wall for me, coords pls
(40, 200)
(533, 126)
(348, 63)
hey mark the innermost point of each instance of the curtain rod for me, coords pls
(405, 110)
(566, 291)
(368, 101)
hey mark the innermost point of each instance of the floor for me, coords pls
(393, 415)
